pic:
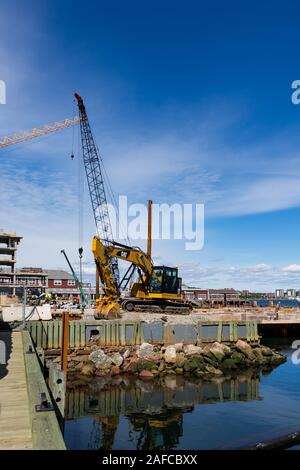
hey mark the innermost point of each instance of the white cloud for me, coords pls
(258, 268)
(292, 268)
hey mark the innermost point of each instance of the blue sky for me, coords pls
(189, 102)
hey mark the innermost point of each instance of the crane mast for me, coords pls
(96, 184)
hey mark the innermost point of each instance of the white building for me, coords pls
(291, 293)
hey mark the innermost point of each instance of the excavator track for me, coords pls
(132, 304)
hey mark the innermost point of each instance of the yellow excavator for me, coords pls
(158, 288)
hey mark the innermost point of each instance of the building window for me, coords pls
(71, 282)
(57, 282)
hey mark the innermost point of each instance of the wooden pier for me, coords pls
(281, 328)
(21, 385)
(15, 426)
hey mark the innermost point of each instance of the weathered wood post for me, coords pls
(65, 342)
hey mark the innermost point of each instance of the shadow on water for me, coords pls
(154, 409)
(5, 349)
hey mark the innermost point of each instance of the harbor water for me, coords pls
(129, 413)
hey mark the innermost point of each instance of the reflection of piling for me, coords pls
(148, 398)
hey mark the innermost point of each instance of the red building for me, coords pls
(211, 295)
(61, 285)
(194, 293)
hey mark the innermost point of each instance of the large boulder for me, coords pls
(178, 347)
(192, 363)
(170, 354)
(192, 350)
(126, 354)
(223, 347)
(266, 351)
(238, 357)
(207, 352)
(277, 359)
(210, 360)
(146, 351)
(180, 359)
(116, 359)
(100, 359)
(245, 348)
(104, 362)
(96, 354)
(260, 359)
(219, 351)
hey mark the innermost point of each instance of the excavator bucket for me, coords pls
(109, 309)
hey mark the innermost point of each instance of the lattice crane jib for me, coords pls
(96, 184)
(36, 132)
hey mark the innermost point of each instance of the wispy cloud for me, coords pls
(260, 277)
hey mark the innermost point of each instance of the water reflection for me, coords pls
(153, 408)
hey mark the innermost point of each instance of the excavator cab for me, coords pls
(165, 280)
(160, 293)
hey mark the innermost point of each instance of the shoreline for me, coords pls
(149, 361)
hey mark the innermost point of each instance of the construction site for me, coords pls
(56, 329)
(142, 287)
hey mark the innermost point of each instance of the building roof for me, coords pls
(5, 235)
(58, 274)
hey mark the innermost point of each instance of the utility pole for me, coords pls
(24, 308)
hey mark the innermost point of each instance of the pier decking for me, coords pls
(15, 426)
(21, 385)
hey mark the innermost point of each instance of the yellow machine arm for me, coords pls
(108, 305)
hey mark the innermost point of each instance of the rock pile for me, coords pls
(148, 361)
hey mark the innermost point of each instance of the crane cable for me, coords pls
(113, 199)
(80, 183)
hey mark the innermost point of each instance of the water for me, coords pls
(286, 303)
(184, 414)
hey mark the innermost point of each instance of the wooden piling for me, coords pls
(65, 342)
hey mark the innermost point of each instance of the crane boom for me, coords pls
(96, 184)
(77, 282)
(38, 132)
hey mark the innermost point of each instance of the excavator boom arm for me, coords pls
(102, 255)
